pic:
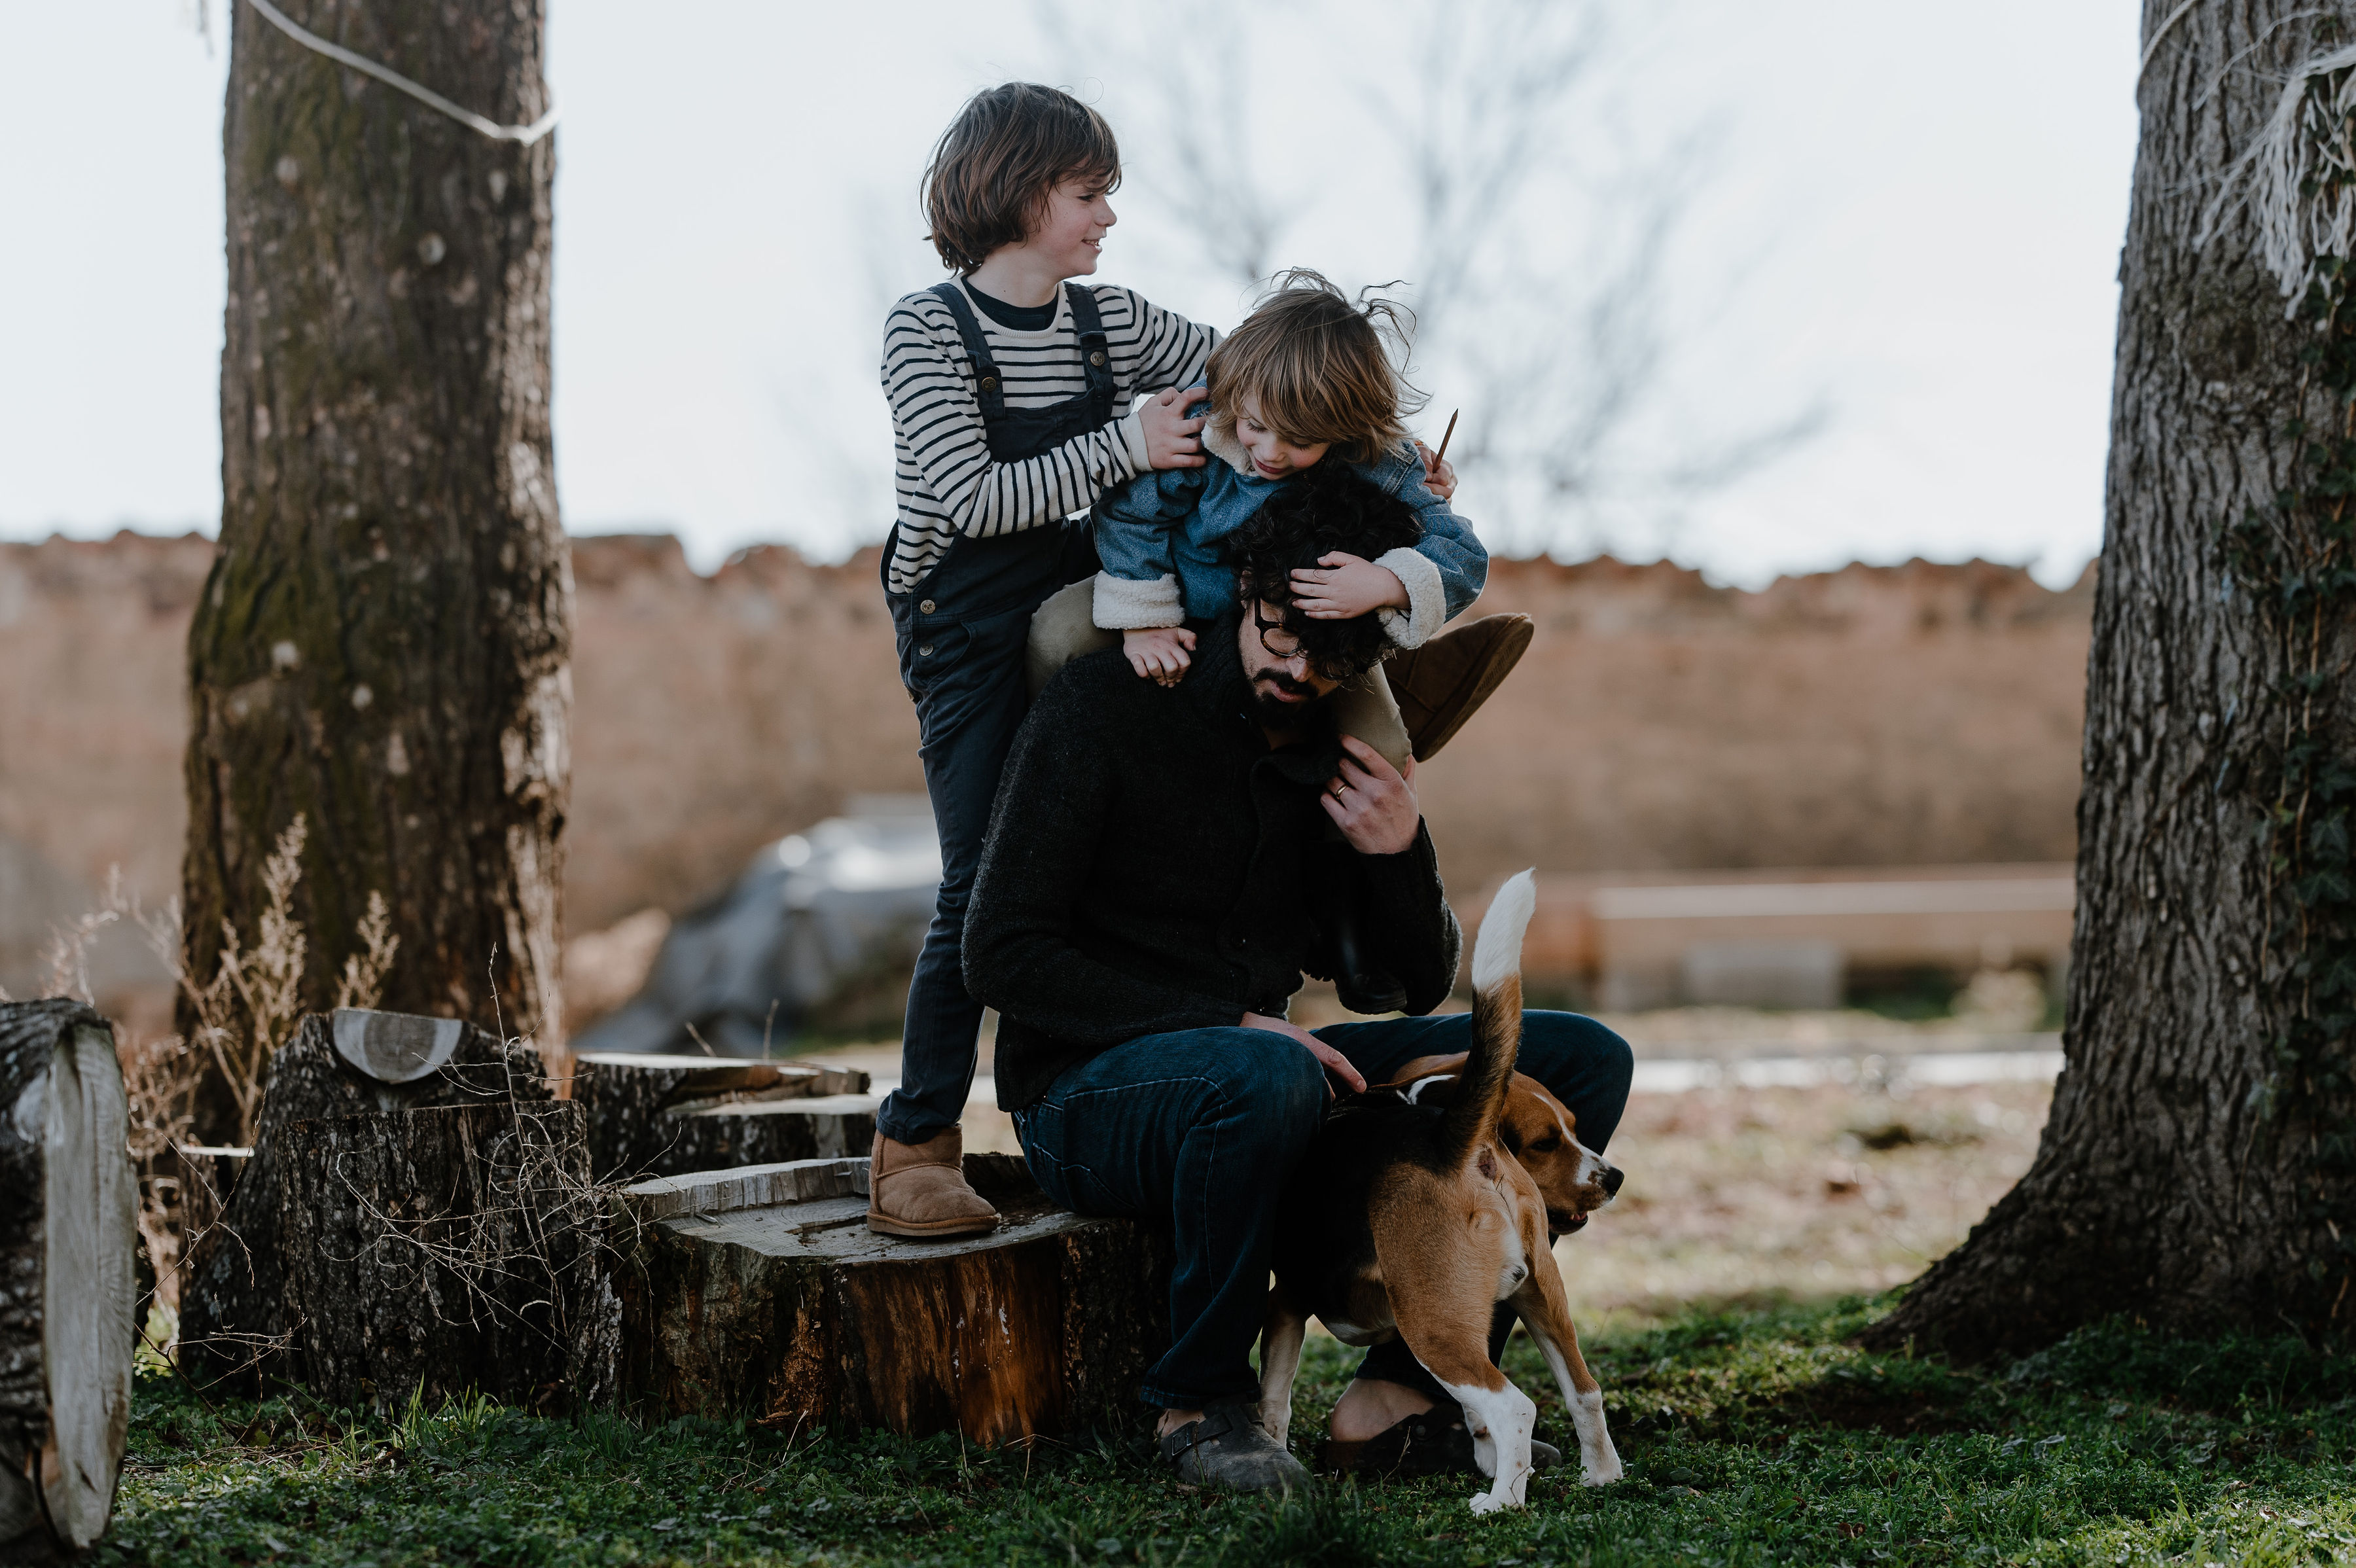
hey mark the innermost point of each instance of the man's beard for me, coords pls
(1275, 714)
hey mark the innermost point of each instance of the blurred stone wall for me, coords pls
(1914, 714)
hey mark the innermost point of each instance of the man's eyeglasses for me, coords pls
(1275, 636)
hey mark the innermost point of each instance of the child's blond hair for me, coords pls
(1313, 361)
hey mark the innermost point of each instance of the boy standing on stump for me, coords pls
(1010, 389)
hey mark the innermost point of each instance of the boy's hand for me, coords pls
(1172, 440)
(1442, 480)
(1372, 803)
(1159, 654)
(1348, 588)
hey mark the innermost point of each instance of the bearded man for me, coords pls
(1147, 902)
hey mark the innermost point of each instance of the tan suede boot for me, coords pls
(1439, 684)
(919, 1189)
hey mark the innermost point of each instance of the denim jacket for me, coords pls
(1159, 538)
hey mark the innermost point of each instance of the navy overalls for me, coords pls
(961, 632)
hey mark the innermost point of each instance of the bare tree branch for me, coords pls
(1193, 86)
(1537, 229)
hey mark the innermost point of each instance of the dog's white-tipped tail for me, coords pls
(1497, 951)
(1471, 1120)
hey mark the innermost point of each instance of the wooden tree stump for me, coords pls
(68, 1295)
(667, 1115)
(349, 1063)
(445, 1251)
(762, 1292)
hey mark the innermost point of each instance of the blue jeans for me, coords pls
(966, 680)
(1199, 1131)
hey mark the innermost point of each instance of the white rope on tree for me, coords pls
(526, 134)
(2302, 175)
(2159, 33)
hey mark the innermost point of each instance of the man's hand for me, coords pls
(1160, 653)
(1372, 803)
(1342, 586)
(1442, 480)
(1172, 440)
(1336, 1062)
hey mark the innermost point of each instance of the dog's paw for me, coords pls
(1487, 1502)
(1602, 1475)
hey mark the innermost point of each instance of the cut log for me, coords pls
(445, 1251)
(747, 1187)
(765, 1132)
(394, 1047)
(762, 1293)
(68, 1295)
(232, 1288)
(667, 1115)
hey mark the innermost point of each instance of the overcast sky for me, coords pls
(1913, 216)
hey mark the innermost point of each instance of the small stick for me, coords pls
(1441, 455)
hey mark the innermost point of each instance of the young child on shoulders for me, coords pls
(1011, 388)
(1306, 380)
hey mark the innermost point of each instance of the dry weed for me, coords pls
(245, 1013)
(364, 971)
(250, 1006)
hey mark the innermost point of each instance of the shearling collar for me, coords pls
(1223, 444)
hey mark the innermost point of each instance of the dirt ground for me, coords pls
(1738, 1195)
(1750, 1195)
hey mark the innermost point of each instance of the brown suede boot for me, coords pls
(1439, 684)
(919, 1189)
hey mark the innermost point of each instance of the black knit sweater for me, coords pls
(1145, 871)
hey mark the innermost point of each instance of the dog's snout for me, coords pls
(1613, 1177)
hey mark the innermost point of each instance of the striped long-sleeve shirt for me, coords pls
(948, 483)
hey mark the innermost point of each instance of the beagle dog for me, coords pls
(1412, 1218)
(1535, 1128)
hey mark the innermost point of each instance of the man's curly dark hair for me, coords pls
(1327, 508)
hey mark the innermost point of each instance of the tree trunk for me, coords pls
(763, 1292)
(233, 1279)
(69, 1300)
(2178, 1177)
(383, 645)
(664, 1115)
(447, 1250)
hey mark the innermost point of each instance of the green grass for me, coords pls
(1749, 1439)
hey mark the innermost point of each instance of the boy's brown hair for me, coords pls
(1314, 361)
(999, 160)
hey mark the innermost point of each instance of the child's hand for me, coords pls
(1349, 587)
(1441, 481)
(1170, 438)
(1160, 653)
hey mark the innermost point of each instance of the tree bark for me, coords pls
(383, 645)
(68, 1295)
(764, 1294)
(665, 1115)
(446, 1250)
(233, 1279)
(2171, 1182)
